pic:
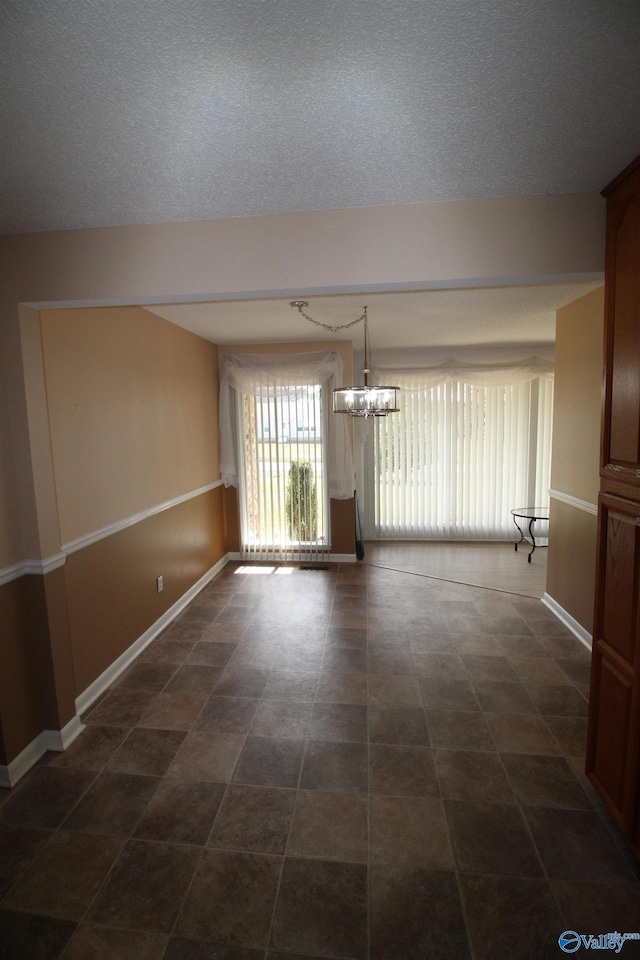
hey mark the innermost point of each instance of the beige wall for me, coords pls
(576, 455)
(11, 548)
(133, 412)
(578, 397)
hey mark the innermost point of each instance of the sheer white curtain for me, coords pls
(280, 375)
(471, 442)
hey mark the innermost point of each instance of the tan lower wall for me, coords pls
(232, 519)
(50, 631)
(62, 630)
(21, 670)
(111, 584)
(572, 561)
(343, 537)
(36, 676)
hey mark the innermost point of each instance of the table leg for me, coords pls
(522, 536)
(533, 539)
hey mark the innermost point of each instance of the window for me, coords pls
(457, 458)
(283, 491)
(278, 446)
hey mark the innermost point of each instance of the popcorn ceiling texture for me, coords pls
(139, 111)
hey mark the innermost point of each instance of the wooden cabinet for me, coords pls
(613, 747)
(621, 422)
(614, 715)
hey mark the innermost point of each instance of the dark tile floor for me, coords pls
(348, 763)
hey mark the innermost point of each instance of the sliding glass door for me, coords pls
(457, 458)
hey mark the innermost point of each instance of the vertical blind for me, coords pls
(283, 490)
(459, 456)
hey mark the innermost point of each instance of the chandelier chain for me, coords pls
(364, 401)
(327, 326)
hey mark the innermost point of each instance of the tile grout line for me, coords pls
(130, 836)
(454, 858)
(276, 899)
(520, 805)
(205, 845)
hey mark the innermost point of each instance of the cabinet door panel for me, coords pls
(619, 571)
(610, 732)
(625, 378)
(613, 715)
(621, 447)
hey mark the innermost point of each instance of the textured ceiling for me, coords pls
(138, 111)
(417, 320)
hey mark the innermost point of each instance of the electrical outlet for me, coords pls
(160, 584)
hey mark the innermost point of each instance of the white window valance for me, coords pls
(503, 374)
(280, 375)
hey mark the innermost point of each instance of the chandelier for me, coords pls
(359, 401)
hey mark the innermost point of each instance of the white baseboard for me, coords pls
(14, 771)
(100, 684)
(570, 622)
(61, 739)
(47, 740)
